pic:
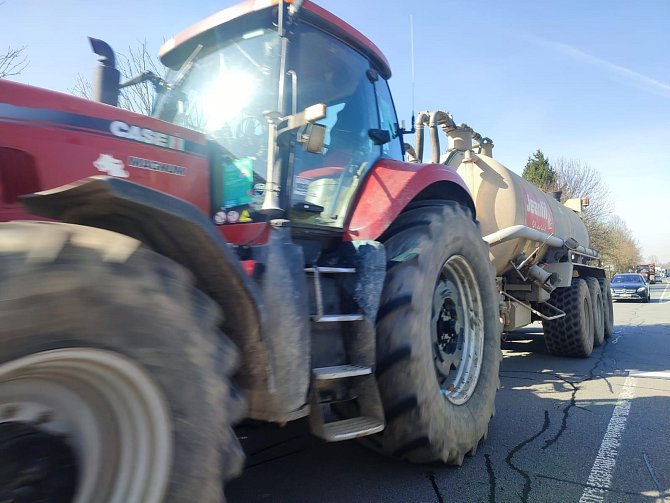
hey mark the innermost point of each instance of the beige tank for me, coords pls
(503, 199)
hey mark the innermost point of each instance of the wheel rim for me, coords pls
(457, 330)
(104, 408)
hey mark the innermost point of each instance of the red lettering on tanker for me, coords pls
(538, 214)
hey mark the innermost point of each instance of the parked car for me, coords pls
(630, 286)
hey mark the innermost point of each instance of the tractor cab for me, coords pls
(295, 103)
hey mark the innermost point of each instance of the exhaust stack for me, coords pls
(107, 77)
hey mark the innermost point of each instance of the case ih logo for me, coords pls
(145, 135)
(538, 214)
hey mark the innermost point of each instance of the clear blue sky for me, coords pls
(580, 80)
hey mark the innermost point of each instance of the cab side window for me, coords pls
(328, 71)
(388, 120)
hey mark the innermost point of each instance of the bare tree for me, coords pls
(138, 98)
(624, 253)
(13, 62)
(82, 87)
(577, 179)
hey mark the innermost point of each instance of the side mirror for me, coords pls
(308, 116)
(313, 139)
(379, 136)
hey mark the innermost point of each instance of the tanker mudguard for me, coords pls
(182, 233)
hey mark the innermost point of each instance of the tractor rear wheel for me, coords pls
(113, 376)
(598, 310)
(571, 335)
(438, 336)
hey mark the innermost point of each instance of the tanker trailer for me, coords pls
(539, 247)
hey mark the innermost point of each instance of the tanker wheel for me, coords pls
(608, 306)
(113, 375)
(598, 310)
(571, 335)
(438, 336)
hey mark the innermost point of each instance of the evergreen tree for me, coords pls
(539, 172)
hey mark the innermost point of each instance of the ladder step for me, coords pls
(355, 427)
(340, 371)
(331, 270)
(329, 318)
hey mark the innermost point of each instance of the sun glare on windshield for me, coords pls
(226, 96)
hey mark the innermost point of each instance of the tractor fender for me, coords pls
(181, 232)
(392, 185)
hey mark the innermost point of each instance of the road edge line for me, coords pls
(600, 478)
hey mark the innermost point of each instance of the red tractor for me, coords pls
(257, 248)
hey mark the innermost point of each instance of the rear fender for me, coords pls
(180, 231)
(392, 185)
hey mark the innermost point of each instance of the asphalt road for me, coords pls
(582, 430)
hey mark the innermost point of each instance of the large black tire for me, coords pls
(87, 291)
(598, 310)
(571, 335)
(424, 422)
(609, 306)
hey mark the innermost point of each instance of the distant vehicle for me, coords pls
(630, 286)
(648, 272)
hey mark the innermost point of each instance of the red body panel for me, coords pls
(388, 189)
(246, 234)
(67, 135)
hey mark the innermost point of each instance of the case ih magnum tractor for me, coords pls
(268, 198)
(258, 248)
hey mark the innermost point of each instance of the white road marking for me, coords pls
(652, 375)
(600, 478)
(665, 290)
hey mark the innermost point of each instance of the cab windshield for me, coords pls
(226, 92)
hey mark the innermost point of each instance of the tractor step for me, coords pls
(340, 371)
(320, 316)
(346, 429)
(344, 401)
(363, 393)
(330, 270)
(331, 318)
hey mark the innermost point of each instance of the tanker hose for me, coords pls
(421, 120)
(438, 118)
(435, 143)
(544, 278)
(476, 137)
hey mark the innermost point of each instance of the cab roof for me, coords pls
(179, 47)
